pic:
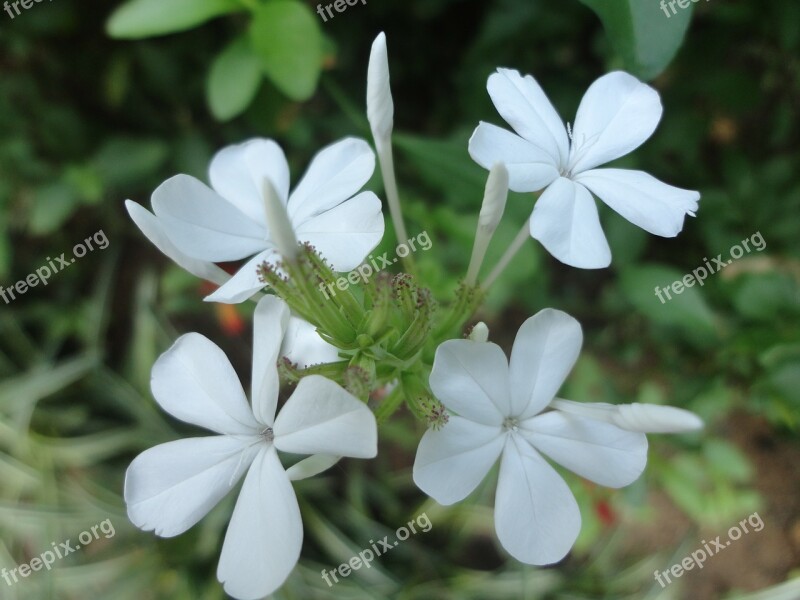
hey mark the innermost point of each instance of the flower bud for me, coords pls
(479, 333)
(280, 227)
(380, 106)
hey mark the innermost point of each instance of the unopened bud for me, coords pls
(380, 106)
(280, 227)
(479, 333)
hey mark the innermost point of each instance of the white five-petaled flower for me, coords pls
(617, 114)
(301, 343)
(170, 487)
(229, 222)
(498, 406)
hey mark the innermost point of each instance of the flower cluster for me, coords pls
(356, 357)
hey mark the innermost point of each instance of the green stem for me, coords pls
(386, 159)
(510, 253)
(390, 404)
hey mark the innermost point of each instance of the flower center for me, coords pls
(511, 424)
(268, 434)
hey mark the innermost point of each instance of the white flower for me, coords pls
(229, 222)
(617, 114)
(170, 487)
(301, 343)
(498, 408)
(153, 229)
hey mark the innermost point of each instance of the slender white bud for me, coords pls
(494, 198)
(643, 418)
(380, 114)
(492, 209)
(280, 227)
(650, 418)
(479, 333)
(380, 106)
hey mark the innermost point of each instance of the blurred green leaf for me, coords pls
(286, 38)
(147, 18)
(642, 34)
(447, 166)
(687, 311)
(52, 206)
(122, 162)
(728, 460)
(763, 296)
(233, 80)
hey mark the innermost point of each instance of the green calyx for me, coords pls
(386, 329)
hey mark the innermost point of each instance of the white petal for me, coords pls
(269, 322)
(642, 199)
(616, 115)
(529, 167)
(336, 173)
(471, 379)
(545, 350)
(322, 417)
(195, 382)
(536, 516)
(346, 234)
(263, 541)
(313, 465)
(646, 418)
(245, 282)
(600, 452)
(153, 229)
(453, 460)
(204, 225)
(565, 221)
(237, 173)
(172, 486)
(303, 346)
(524, 106)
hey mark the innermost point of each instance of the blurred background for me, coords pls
(101, 101)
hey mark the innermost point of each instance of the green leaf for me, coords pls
(446, 165)
(285, 37)
(644, 36)
(233, 80)
(728, 460)
(124, 161)
(147, 18)
(687, 310)
(54, 204)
